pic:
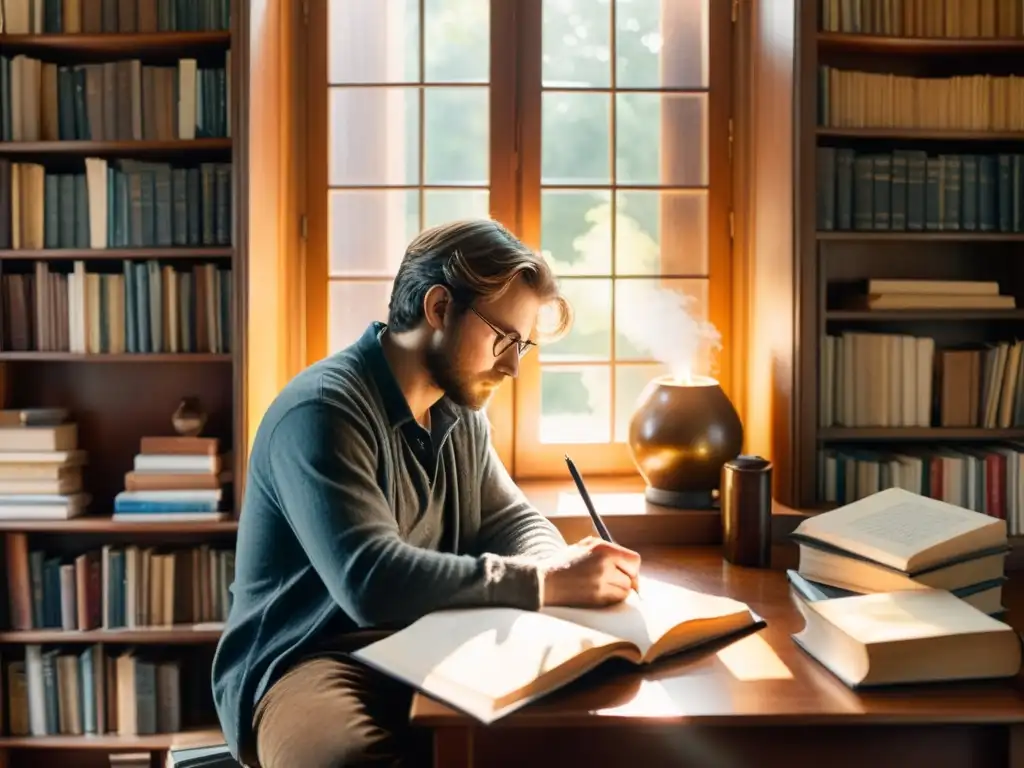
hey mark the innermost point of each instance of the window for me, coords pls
(598, 130)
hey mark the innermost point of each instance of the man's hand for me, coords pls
(592, 572)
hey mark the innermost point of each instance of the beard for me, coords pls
(462, 388)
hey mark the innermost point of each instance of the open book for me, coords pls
(895, 539)
(488, 662)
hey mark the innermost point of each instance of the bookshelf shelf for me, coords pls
(918, 434)
(115, 254)
(140, 636)
(919, 134)
(115, 42)
(110, 741)
(886, 315)
(838, 42)
(104, 524)
(72, 357)
(114, 148)
(923, 236)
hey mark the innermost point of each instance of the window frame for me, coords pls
(515, 89)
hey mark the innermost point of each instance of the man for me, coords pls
(374, 497)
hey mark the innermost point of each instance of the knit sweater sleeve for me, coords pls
(509, 524)
(323, 461)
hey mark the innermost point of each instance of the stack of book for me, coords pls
(40, 465)
(932, 294)
(175, 478)
(902, 588)
(897, 540)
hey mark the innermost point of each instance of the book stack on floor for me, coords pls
(175, 478)
(899, 587)
(40, 466)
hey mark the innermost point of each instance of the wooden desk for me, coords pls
(759, 701)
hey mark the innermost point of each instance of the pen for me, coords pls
(602, 529)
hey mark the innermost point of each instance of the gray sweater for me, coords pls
(355, 517)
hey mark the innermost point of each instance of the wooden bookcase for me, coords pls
(116, 399)
(840, 119)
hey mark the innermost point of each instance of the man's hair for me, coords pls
(474, 259)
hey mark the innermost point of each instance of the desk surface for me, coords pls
(763, 678)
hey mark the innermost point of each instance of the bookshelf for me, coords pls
(909, 142)
(163, 83)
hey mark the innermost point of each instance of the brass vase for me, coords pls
(680, 436)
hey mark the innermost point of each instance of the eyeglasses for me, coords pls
(503, 341)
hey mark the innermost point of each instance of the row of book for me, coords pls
(924, 18)
(853, 99)
(122, 100)
(901, 380)
(117, 586)
(909, 190)
(53, 17)
(73, 691)
(144, 308)
(983, 478)
(115, 204)
(180, 478)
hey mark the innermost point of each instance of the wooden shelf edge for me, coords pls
(110, 147)
(936, 134)
(881, 434)
(178, 635)
(72, 357)
(194, 738)
(920, 235)
(118, 254)
(117, 40)
(856, 42)
(105, 524)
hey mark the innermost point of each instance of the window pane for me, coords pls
(575, 231)
(575, 138)
(456, 140)
(661, 43)
(661, 139)
(575, 49)
(374, 136)
(373, 41)
(630, 381)
(354, 305)
(457, 41)
(442, 205)
(591, 334)
(661, 233)
(369, 229)
(575, 405)
(664, 321)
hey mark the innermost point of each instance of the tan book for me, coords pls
(916, 636)
(489, 662)
(897, 540)
(63, 437)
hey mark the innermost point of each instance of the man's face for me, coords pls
(461, 360)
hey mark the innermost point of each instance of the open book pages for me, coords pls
(904, 530)
(488, 662)
(915, 636)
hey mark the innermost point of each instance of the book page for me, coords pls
(904, 530)
(481, 656)
(646, 618)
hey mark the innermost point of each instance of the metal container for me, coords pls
(746, 500)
